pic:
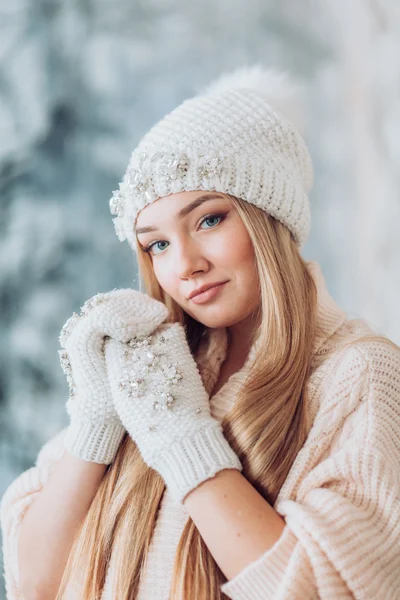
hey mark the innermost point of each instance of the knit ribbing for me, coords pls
(192, 460)
(94, 442)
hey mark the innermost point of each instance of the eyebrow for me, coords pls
(184, 211)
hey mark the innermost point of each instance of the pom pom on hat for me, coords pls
(279, 89)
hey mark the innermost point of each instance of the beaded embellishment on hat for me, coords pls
(169, 167)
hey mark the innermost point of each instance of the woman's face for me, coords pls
(198, 243)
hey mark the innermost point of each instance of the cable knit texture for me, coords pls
(340, 500)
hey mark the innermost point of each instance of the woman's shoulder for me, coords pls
(358, 379)
(53, 449)
(353, 347)
(22, 489)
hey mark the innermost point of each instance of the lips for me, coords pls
(204, 288)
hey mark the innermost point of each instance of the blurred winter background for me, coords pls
(82, 80)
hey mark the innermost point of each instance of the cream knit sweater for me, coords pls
(340, 501)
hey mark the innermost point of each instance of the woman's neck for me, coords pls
(239, 342)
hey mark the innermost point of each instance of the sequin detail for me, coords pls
(117, 203)
(144, 358)
(85, 308)
(137, 178)
(147, 170)
(172, 167)
(210, 167)
(67, 369)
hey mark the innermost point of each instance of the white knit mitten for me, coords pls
(95, 430)
(159, 395)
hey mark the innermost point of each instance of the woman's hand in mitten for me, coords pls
(159, 395)
(95, 430)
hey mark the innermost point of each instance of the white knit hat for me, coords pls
(241, 135)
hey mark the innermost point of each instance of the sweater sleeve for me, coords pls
(16, 500)
(342, 533)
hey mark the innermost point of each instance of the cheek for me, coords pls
(235, 246)
(166, 277)
(243, 262)
(231, 248)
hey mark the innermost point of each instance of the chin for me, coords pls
(217, 315)
(217, 321)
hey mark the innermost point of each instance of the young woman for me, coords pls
(240, 442)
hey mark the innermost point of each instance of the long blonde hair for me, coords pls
(266, 426)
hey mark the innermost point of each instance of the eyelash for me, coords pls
(213, 215)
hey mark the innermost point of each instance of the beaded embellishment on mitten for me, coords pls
(66, 332)
(165, 408)
(67, 369)
(85, 308)
(144, 359)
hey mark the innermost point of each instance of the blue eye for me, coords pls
(221, 217)
(209, 218)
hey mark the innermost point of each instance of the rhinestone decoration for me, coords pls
(94, 301)
(117, 204)
(66, 367)
(85, 308)
(136, 176)
(145, 361)
(168, 167)
(138, 342)
(138, 180)
(172, 167)
(67, 328)
(210, 167)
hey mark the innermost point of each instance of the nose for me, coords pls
(190, 260)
